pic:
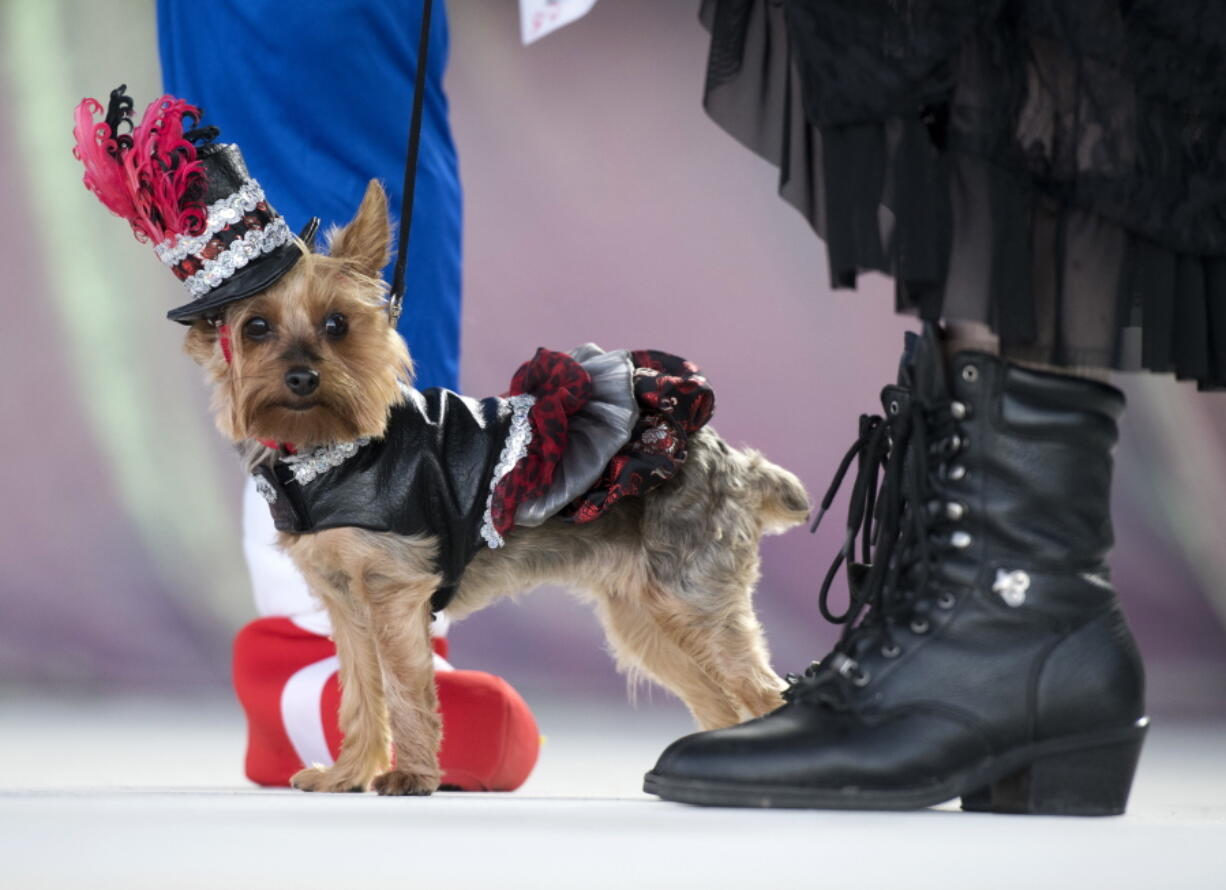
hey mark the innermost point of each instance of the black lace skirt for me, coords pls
(1054, 168)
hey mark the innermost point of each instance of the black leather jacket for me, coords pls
(429, 475)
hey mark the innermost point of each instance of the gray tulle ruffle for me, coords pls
(597, 432)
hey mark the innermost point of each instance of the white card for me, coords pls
(539, 17)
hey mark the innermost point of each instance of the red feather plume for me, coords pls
(149, 175)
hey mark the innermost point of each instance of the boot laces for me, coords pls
(898, 514)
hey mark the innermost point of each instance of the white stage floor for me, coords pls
(147, 795)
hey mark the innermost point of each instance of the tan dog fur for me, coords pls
(671, 574)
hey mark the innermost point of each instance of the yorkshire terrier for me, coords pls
(314, 360)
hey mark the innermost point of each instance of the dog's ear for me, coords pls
(201, 341)
(366, 242)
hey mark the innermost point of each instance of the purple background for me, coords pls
(600, 204)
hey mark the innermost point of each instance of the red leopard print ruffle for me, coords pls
(561, 388)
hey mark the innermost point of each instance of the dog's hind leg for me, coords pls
(729, 645)
(707, 611)
(739, 658)
(700, 539)
(641, 642)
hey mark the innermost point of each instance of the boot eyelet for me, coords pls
(956, 472)
(958, 410)
(919, 626)
(961, 539)
(893, 650)
(860, 679)
(946, 600)
(955, 510)
(894, 406)
(970, 373)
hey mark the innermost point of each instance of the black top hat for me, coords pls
(245, 246)
(207, 217)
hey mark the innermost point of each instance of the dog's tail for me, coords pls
(782, 500)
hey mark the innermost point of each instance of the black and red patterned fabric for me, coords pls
(676, 401)
(561, 387)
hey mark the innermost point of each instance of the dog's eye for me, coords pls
(336, 326)
(256, 328)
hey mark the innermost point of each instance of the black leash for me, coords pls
(396, 298)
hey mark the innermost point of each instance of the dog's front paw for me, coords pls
(319, 778)
(400, 782)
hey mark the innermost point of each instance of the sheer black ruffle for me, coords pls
(1054, 168)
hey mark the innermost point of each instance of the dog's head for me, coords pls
(314, 359)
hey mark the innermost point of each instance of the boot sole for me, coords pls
(1086, 775)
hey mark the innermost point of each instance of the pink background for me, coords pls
(600, 204)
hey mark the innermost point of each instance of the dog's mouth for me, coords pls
(298, 405)
(305, 421)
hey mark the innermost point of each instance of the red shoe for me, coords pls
(286, 681)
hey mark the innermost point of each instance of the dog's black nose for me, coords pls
(302, 381)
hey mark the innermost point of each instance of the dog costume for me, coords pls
(576, 434)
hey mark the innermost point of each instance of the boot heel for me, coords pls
(1088, 782)
(978, 801)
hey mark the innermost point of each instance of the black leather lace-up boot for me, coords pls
(984, 655)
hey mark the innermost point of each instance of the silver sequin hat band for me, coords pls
(251, 244)
(223, 212)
